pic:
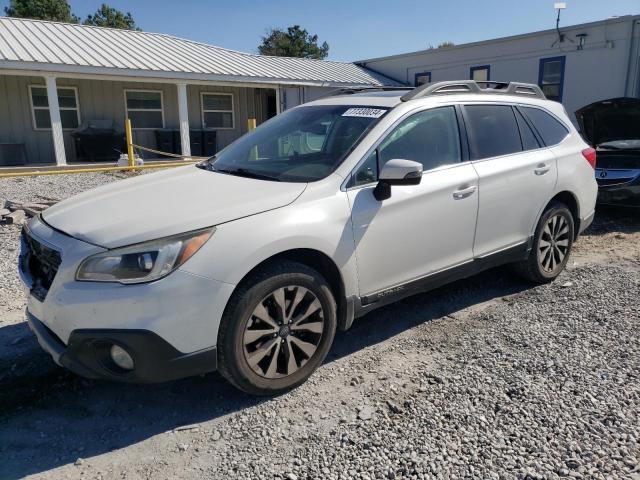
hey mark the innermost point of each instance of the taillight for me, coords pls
(589, 155)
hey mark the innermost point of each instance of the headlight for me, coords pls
(143, 262)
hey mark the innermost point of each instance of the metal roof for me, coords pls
(63, 47)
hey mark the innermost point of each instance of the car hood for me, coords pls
(608, 120)
(165, 203)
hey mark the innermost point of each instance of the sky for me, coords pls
(355, 29)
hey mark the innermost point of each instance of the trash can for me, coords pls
(98, 141)
(164, 140)
(12, 154)
(195, 137)
(209, 146)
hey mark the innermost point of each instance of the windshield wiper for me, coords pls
(243, 172)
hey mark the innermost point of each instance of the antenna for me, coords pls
(559, 6)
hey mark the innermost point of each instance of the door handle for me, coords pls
(464, 192)
(541, 169)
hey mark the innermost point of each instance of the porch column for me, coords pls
(56, 123)
(278, 104)
(183, 117)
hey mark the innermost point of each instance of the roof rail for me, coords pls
(353, 90)
(472, 86)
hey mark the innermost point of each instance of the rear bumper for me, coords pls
(586, 222)
(155, 360)
(625, 194)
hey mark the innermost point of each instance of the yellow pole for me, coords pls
(251, 125)
(129, 135)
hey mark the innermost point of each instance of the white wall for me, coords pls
(606, 67)
(293, 96)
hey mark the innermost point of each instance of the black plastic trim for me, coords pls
(155, 359)
(438, 279)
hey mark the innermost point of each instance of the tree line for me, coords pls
(60, 11)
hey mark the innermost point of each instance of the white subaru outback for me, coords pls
(249, 262)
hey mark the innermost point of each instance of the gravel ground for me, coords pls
(32, 189)
(485, 378)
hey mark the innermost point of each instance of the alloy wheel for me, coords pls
(554, 243)
(283, 331)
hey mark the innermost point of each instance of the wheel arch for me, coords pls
(571, 201)
(324, 265)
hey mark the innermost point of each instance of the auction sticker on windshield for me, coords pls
(364, 112)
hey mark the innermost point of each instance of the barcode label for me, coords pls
(364, 112)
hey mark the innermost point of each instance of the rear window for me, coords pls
(493, 131)
(550, 129)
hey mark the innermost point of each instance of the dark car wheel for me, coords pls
(552, 244)
(276, 329)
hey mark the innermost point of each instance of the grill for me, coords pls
(40, 263)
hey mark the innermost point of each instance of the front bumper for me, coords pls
(170, 325)
(155, 360)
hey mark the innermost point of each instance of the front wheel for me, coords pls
(277, 329)
(552, 244)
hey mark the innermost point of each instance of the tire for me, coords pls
(541, 266)
(276, 329)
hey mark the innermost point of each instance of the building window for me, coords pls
(551, 77)
(481, 73)
(422, 78)
(217, 110)
(68, 104)
(144, 108)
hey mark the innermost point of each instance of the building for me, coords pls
(576, 65)
(56, 77)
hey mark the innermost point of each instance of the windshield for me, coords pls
(621, 145)
(304, 144)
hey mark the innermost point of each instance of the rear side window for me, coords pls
(550, 129)
(493, 131)
(529, 140)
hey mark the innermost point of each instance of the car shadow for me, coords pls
(610, 219)
(49, 417)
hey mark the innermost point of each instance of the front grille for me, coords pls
(40, 263)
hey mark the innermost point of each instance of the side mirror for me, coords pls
(397, 172)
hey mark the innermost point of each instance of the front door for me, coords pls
(423, 228)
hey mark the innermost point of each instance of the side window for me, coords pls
(493, 131)
(480, 73)
(367, 172)
(551, 77)
(422, 78)
(430, 137)
(529, 140)
(550, 129)
(68, 105)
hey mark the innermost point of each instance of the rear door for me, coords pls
(516, 175)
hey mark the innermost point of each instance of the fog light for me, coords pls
(121, 358)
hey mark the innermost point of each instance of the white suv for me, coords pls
(250, 261)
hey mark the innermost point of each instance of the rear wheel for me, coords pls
(552, 244)
(277, 329)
